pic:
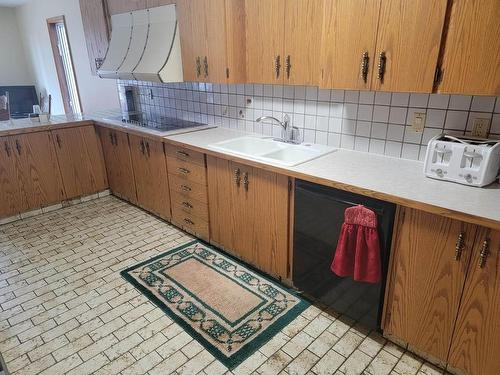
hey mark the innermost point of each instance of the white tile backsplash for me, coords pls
(377, 122)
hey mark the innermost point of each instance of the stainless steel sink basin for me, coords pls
(272, 151)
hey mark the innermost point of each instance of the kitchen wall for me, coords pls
(376, 122)
(14, 68)
(95, 93)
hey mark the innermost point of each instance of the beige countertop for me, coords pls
(397, 180)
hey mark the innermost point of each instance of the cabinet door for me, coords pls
(265, 28)
(471, 53)
(80, 161)
(236, 41)
(221, 183)
(426, 280)
(41, 178)
(215, 18)
(118, 164)
(349, 32)
(150, 170)
(476, 341)
(96, 29)
(270, 210)
(409, 33)
(303, 25)
(13, 200)
(193, 29)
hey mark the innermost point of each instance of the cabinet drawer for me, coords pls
(190, 223)
(181, 153)
(190, 206)
(188, 189)
(187, 170)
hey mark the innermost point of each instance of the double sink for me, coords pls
(271, 150)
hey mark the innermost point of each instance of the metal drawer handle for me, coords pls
(58, 140)
(184, 170)
(381, 66)
(205, 65)
(185, 188)
(18, 147)
(485, 251)
(245, 181)
(111, 138)
(182, 153)
(143, 147)
(277, 65)
(459, 246)
(364, 66)
(187, 205)
(237, 177)
(198, 67)
(147, 149)
(188, 221)
(288, 64)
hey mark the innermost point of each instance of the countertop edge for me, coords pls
(446, 212)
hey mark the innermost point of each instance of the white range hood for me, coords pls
(145, 46)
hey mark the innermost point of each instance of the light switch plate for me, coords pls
(418, 122)
(480, 127)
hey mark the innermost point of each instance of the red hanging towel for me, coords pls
(358, 249)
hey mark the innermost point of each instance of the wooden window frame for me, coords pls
(63, 83)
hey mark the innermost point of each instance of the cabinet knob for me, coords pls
(382, 59)
(364, 66)
(237, 177)
(485, 250)
(459, 246)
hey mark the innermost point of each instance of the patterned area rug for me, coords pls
(231, 310)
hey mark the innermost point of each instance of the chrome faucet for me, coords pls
(289, 134)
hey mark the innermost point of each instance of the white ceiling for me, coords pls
(12, 3)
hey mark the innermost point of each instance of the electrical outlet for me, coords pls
(418, 122)
(480, 127)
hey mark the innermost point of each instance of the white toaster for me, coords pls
(468, 161)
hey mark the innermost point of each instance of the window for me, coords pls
(64, 65)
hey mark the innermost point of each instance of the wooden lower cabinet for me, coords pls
(443, 293)
(81, 161)
(476, 341)
(13, 199)
(249, 210)
(118, 161)
(150, 170)
(40, 178)
(426, 280)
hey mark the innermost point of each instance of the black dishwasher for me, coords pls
(319, 215)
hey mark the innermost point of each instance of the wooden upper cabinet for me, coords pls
(476, 341)
(81, 161)
(150, 170)
(118, 163)
(348, 41)
(409, 33)
(471, 57)
(265, 35)
(302, 56)
(212, 40)
(40, 177)
(193, 31)
(97, 30)
(426, 280)
(13, 199)
(123, 6)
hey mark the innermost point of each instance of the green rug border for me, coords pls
(248, 349)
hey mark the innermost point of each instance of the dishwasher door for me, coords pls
(319, 215)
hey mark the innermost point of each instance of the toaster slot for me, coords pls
(471, 159)
(441, 155)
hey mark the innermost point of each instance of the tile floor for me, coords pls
(64, 308)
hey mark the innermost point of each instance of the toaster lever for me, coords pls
(472, 155)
